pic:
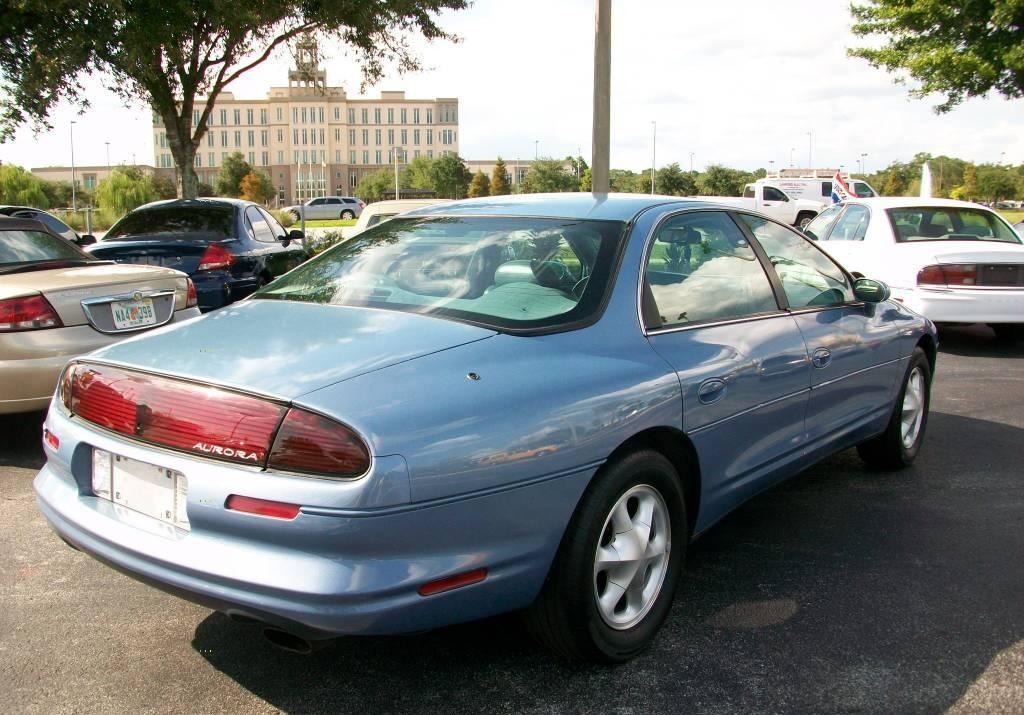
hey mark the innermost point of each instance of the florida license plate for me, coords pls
(149, 489)
(133, 313)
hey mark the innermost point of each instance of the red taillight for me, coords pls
(458, 581)
(215, 256)
(191, 300)
(362, 205)
(176, 414)
(32, 313)
(948, 274)
(311, 444)
(263, 507)
(51, 439)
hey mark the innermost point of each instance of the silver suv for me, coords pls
(328, 207)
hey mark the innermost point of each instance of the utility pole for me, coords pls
(108, 157)
(810, 145)
(654, 152)
(74, 204)
(602, 96)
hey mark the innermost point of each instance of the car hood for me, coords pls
(285, 349)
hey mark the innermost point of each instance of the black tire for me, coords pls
(804, 218)
(348, 214)
(566, 617)
(889, 449)
(1008, 332)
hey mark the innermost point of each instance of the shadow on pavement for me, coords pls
(976, 341)
(23, 433)
(843, 590)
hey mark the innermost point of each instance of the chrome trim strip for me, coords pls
(826, 383)
(752, 408)
(89, 303)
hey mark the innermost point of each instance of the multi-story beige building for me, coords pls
(315, 140)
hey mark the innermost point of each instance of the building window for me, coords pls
(351, 116)
(376, 115)
(295, 115)
(263, 116)
(211, 158)
(415, 116)
(264, 137)
(264, 158)
(430, 116)
(404, 118)
(280, 135)
(366, 157)
(302, 113)
(365, 114)
(198, 162)
(297, 157)
(280, 157)
(391, 137)
(237, 116)
(279, 116)
(416, 136)
(223, 138)
(295, 136)
(351, 137)
(322, 137)
(430, 137)
(195, 117)
(416, 154)
(305, 156)
(405, 137)
(238, 138)
(337, 114)
(252, 158)
(223, 116)
(248, 116)
(377, 136)
(353, 179)
(209, 139)
(391, 116)
(337, 156)
(376, 157)
(430, 153)
(352, 156)
(251, 137)
(366, 137)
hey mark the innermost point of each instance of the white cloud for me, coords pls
(734, 82)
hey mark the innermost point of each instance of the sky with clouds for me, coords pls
(733, 82)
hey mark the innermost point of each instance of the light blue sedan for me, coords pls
(526, 402)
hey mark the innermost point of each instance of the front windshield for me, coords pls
(27, 246)
(503, 272)
(820, 224)
(949, 223)
(186, 222)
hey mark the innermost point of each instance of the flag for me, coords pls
(840, 189)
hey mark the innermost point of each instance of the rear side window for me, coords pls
(949, 223)
(852, 225)
(175, 222)
(701, 268)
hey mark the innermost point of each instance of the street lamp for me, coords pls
(108, 156)
(536, 143)
(395, 152)
(810, 145)
(74, 204)
(653, 154)
(691, 162)
(791, 150)
(771, 165)
(863, 164)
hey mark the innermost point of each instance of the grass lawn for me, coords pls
(327, 223)
(1013, 216)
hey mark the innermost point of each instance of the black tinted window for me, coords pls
(773, 194)
(183, 222)
(32, 246)
(258, 226)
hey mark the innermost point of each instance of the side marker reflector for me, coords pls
(453, 582)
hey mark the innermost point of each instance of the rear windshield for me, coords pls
(26, 246)
(191, 223)
(508, 273)
(945, 223)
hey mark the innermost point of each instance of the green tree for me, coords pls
(996, 183)
(718, 180)
(164, 188)
(179, 55)
(58, 193)
(479, 186)
(20, 187)
(233, 169)
(587, 180)
(500, 184)
(376, 186)
(673, 181)
(895, 183)
(417, 174)
(548, 176)
(956, 49)
(450, 176)
(257, 186)
(124, 189)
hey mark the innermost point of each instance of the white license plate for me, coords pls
(155, 491)
(133, 313)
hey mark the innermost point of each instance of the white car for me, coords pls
(952, 261)
(380, 211)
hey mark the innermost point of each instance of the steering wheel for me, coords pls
(554, 274)
(581, 285)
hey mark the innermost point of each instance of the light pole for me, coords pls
(601, 129)
(791, 150)
(1002, 158)
(691, 162)
(810, 146)
(397, 190)
(74, 204)
(771, 165)
(653, 154)
(536, 144)
(108, 156)
(863, 164)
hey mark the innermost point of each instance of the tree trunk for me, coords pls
(183, 149)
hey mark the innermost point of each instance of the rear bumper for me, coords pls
(964, 305)
(330, 571)
(31, 361)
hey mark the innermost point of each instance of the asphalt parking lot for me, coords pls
(843, 590)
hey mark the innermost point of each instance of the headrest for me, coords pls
(514, 272)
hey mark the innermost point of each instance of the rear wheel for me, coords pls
(899, 444)
(1008, 332)
(616, 570)
(803, 219)
(348, 214)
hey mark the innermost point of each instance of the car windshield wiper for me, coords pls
(49, 265)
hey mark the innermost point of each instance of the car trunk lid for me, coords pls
(180, 254)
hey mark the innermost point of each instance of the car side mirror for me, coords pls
(295, 235)
(871, 291)
(86, 240)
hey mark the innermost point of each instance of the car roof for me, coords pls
(608, 207)
(891, 202)
(194, 203)
(24, 224)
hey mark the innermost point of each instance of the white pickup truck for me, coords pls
(771, 201)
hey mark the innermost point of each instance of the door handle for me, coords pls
(711, 391)
(821, 357)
